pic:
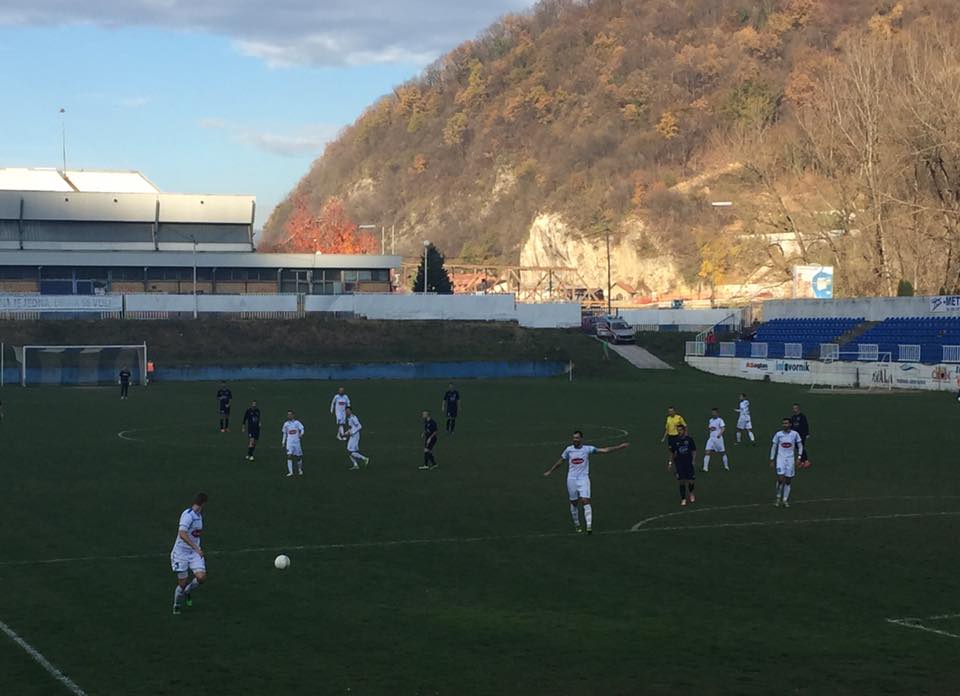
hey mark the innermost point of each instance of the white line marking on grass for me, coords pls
(914, 623)
(479, 539)
(691, 510)
(42, 661)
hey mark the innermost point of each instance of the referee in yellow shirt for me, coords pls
(670, 432)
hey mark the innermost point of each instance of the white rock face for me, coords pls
(551, 242)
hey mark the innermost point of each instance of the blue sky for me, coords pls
(232, 96)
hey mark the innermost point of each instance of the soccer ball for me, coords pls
(281, 562)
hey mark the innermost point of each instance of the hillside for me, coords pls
(530, 143)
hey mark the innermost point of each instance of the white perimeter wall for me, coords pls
(683, 319)
(841, 374)
(371, 306)
(870, 308)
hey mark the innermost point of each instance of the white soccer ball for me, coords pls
(281, 562)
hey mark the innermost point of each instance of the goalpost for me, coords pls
(844, 371)
(81, 365)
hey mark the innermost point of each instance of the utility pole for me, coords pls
(609, 286)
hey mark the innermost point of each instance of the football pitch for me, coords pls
(469, 579)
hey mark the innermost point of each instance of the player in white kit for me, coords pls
(187, 554)
(292, 434)
(577, 457)
(351, 429)
(786, 448)
(716, 428)
(338, 407)
(744, 422)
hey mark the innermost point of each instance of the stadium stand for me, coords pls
(908, 339)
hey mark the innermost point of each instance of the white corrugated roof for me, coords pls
(23, 179)
(93, 181)
(110, 182)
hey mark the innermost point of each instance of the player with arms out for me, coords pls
(577, 457)
(338, 407)
(351, 429)
(670, 430)
(224, 397)
(744, 421)
(292, 434)
(251, 425)
(784, 451)
(715, 429)
(430, 428)
(187, 555)
(124, 382)
(684, 449)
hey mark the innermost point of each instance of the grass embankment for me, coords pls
(320, 341)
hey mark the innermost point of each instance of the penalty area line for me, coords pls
(48, 666)
(480, 539)
(915, 623)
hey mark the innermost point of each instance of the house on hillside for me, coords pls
(622, 292)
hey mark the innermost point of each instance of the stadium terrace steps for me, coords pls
(856, 332)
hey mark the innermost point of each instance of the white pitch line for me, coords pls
(42, 661)
(692, 511)
(908, 623)
(480, 539)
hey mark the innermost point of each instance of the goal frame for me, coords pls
(144, 373)
(884, 358)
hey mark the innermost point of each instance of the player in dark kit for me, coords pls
(429, 441)
(684, 450)
(224, 397)
(451, 407)
(251, 425)
(799, 423)
(124, 382)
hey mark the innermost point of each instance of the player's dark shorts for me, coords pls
(671, 440)
(430, 444)
(253, 433)
(451, 411)
(685, 472)
(224, 409)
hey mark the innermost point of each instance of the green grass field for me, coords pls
(469, 579)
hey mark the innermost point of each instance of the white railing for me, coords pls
(758, 350)
(829, 351)
(696, 348)
(908, 353)
(728, 349)
(868, 352)
(951, 354)
(793, 351)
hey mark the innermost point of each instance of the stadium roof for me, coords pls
(82, 180)
(185, 259)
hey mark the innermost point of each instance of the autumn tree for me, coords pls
(330, 232)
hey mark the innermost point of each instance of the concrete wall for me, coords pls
(871, 308)
(683, 319)
(549, 316)
(841, 374)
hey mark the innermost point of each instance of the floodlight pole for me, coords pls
(609, 310)
(195, 300)
(63, 138)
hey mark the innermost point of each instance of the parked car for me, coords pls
(615, 330)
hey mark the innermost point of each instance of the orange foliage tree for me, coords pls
(330, 232)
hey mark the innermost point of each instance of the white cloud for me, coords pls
(303, 141)
(290, 32)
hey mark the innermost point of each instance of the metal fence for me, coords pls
(908, 353)
(829, 351)
(696, 348)
(793, 351)
(758, 350)
(868, 352)
(951, 354)
(728, 349)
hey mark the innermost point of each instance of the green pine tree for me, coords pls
(438, 280)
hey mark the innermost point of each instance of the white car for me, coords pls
(615, 330)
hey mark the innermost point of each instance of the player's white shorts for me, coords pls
(353, 444)
(715, 444)
(744, 423)
(786, 467)
(294, 449)
(341, 418)
(578, 487)
(182, 563)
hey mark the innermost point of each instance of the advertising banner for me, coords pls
(813, 282)
(61, 303)
(945, 303)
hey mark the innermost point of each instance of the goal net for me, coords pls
(81, 365)
(853, 372)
